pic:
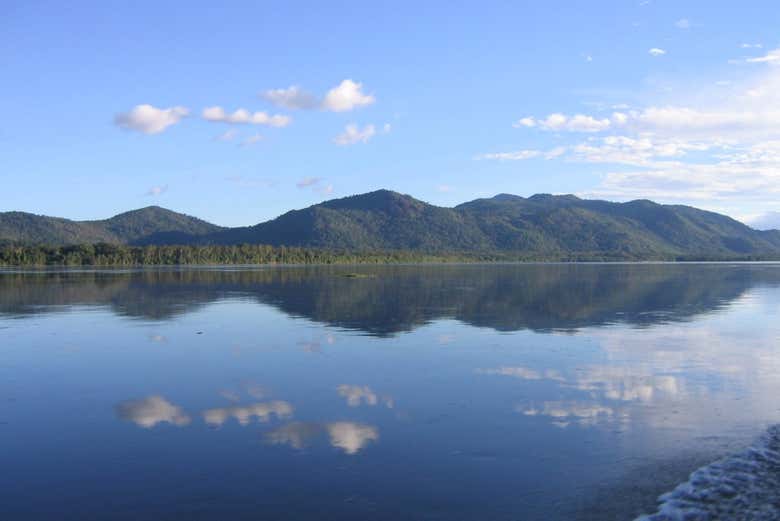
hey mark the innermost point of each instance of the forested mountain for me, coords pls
(150, 225)
(543, 225)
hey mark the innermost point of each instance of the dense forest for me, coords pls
(104, 254)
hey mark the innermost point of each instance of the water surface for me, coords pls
(477, 392)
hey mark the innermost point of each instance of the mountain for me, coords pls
(542, 225)
(150, 225)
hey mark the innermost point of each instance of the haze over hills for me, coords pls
(385, 220)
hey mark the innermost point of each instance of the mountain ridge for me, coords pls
(386, 220)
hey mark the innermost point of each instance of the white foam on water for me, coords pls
(743, 486)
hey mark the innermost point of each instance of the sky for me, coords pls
(240, 113)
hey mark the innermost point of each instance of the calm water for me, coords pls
(432, 393)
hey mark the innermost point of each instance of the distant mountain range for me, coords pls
(384, 220)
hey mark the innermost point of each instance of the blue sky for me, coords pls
(110, 106)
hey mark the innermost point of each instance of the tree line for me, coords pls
(104, 254)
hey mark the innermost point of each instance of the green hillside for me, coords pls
(541, 226)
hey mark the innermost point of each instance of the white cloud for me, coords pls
(562, 122)
(346, 96)
(682, 23)
(772, 56)
(157, 190)
(243, 116)
(148, 412)
(353, 134)
(291, 98)
(149, 119)
(655, 51)
(528, 122)
(752, 46)
(511, 156)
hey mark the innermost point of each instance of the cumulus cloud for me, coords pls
(263, 412)
(149, 119)
(527, 122)
(243, 116)
(148, 412)
(655, 51)
(353, 134)
(347, 95)
(292, 97)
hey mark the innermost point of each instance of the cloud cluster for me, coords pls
(346, 96)
(149, 119)
(562, 122)
(243, 116)
(722, 145)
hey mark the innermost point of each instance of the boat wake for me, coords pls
(743, 486)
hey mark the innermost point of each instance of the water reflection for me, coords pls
(357, 395)
(350, 437)
(614, 377)
(401, 298)
(148, 412)
(263, 412)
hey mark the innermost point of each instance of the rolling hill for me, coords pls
(542, 224)
(150, 225)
